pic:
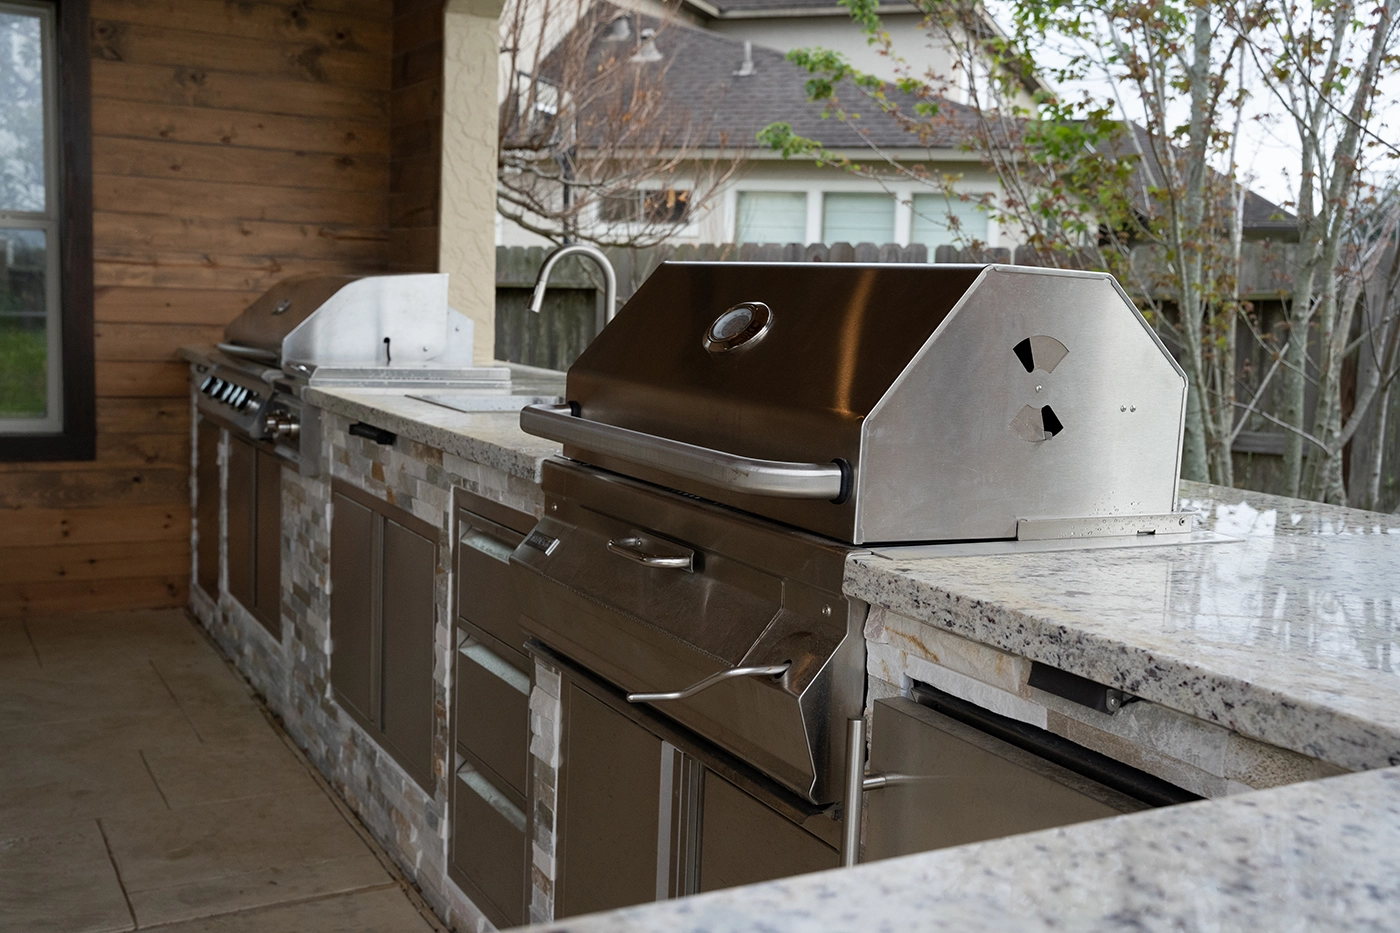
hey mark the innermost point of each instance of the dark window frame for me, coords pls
(78, 439)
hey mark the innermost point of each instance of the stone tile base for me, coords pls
(293, 674)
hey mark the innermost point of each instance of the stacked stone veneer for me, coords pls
(545, 717)
(1199, 756)
(293, 673)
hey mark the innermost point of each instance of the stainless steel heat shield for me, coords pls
(656, 611)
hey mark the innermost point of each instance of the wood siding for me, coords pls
(234, 144)
(415, 168)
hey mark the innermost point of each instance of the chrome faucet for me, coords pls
(579, 249)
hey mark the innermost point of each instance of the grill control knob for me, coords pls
(279, 425)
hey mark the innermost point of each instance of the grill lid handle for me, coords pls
(781, 479)
(772, 670)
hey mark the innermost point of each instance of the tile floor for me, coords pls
(142, 787)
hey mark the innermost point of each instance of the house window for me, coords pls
(670, 206)
(31, 327)
(943, 221)
(858, 218)
(46, 379)
(772, 217)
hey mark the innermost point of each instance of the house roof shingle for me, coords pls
(697, 72)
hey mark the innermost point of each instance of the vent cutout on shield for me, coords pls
(1036, 424)
(1040, 352)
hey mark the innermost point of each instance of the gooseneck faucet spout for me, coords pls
(578, 249)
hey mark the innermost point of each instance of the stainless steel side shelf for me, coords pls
(779, 478)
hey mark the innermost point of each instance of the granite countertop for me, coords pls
(490, 438)
(1289, 635)
(1317, 856)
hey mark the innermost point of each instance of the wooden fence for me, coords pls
(573, 314)
(572, 310)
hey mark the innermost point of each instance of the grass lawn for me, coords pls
(22, 355)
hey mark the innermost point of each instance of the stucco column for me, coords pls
(467, 231)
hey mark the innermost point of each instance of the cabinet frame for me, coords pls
(253, 530)
(508, 526)
(693, 760)
(374, 719)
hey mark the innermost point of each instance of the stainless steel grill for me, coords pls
(891, 403)
(739, 428)
(361, 331)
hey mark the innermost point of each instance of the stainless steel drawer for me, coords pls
(485, 592)
(489, 846)
(492, 691)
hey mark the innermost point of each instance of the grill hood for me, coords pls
(344, 320)
(902, 403)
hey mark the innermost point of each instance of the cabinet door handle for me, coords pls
(631, 548)
(772, 670)
(857, 783)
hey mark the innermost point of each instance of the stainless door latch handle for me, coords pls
(631, 548)
(772, 670)
(857, 783)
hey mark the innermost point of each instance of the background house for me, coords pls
(730, 63)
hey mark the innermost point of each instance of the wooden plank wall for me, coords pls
(415, 168)
(235, 143)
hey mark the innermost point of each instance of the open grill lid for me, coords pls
(883, 403)
(349, 320)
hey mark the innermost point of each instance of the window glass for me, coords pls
(942, 221)
(669, 206)
(30, 381)
(21, 111)
(858, 218)
(23, 324)
(772, 217)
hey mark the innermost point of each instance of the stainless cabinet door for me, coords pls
(609, 793)
(242, 519)
(966, 786)
(410, 571)
(742, 841)
(268, 544)
(354, 597)
(208, 497)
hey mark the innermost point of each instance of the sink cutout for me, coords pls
(1040, 352)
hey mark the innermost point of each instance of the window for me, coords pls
(670, 206)
(772, 217)
(46, 380)
(858, 218)
(942, 221)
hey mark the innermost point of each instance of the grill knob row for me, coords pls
(230, 393)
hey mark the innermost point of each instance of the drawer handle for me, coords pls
(631, 548)
(370, 432)
(772, 670)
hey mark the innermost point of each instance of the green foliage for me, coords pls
(22, 371)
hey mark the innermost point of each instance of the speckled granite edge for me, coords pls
(1295, 516)
(1183, 684)
(1317, 856)
(1213, 687)
(493, 439)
